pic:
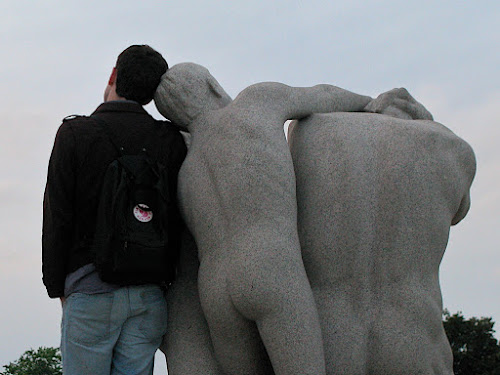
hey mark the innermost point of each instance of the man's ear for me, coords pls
(112, 77)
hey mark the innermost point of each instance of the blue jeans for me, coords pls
(113, 333)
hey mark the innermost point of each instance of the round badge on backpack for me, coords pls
(142, 213)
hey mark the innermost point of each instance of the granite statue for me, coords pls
(243, 303)
(376, 197)
(237, 195)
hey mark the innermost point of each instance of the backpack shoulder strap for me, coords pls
(106, 130)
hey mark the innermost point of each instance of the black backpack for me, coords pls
(131, 244)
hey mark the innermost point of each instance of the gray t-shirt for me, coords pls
(86, 280)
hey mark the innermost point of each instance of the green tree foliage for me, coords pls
(475, 349)
(44, 361)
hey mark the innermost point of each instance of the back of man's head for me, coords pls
(139, 70)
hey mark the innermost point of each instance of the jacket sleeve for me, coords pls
(58, 211)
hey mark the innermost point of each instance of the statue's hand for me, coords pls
(398, 103)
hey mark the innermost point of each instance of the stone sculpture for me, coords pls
(237, 195)
(187, 344)
(376, 198)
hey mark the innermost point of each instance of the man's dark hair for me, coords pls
(139, 70)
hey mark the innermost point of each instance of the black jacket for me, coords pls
(79, 159)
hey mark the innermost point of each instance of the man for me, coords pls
(237, 195)
(106, 329)
(376, 198)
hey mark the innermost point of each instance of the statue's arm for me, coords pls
(462, 210)
(467, 164)
(323, 98)
(299, 102)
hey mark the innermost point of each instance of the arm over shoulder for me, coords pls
(299, 102)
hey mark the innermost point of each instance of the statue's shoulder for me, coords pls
(441, 140)
(463, 152)
(440, 131)
(262, 92)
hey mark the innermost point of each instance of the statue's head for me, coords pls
(186, 91)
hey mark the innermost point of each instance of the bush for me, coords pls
(44, 361)
(475, 349)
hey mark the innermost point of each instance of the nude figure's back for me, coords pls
(376, 198)
(237, 195)
(238, 175)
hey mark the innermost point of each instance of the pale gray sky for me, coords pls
(56, 57)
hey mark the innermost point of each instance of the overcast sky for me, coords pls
(56, 57)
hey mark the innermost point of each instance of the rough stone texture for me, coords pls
(237, 195)
(376, 198)
(400, 104)
(187, 345)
